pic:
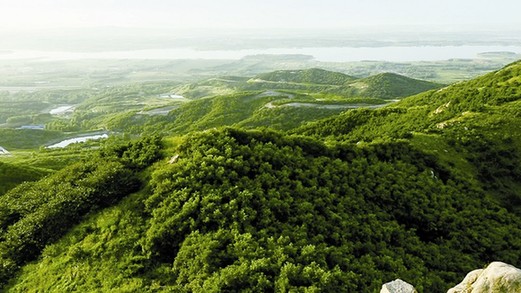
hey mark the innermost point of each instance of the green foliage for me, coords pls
(137, 154)
(286, 118)
(357, 216)
(12, 175)
(34, 215)
(391, 86)
(51, 160)
(359, 124)
(100, 254)
(263, 211)
(306, 76)
(27, 138)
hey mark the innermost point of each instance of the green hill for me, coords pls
(494, 96)
(27, 138)
(474, 120)
(229, 85)
(306, 76)
(382, 86)
(224, 85)
(391, 86)
(13, 175)
(244, 109)
(424, 190)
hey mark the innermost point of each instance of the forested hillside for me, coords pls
(425, 189)
(309, 76)
(391, 86)
(382, 86)
(477, 121)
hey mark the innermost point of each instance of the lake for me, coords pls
(69, 141)
(326, 54)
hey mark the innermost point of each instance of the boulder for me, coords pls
(497, 277)
(397, 286)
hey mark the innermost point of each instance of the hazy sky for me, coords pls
(30, 14)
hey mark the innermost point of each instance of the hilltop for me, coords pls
(307, 76)
(383, 86)
(392, 86)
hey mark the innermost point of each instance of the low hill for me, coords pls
(27, 138)
(383, 86)
(245, 109)
(223, 85)
(13, 175)
(306, 76)
(391, 86)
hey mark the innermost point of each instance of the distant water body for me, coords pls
(67, 142)
(326, 54)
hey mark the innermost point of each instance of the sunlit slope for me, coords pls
(306, 76)
(392, 86)
(11, 175)
(382, 86)
(477, 120)
(493, 96)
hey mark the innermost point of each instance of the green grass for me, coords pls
(12, 175)
(13, 139)
(81, 256)
(438, 146)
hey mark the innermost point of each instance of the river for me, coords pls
(326, 54)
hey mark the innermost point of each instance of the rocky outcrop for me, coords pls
(497, 277)
(397, 286)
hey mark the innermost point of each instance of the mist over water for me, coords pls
(324, 54)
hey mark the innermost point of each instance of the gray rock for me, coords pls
(397, 286)
(497, 277)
